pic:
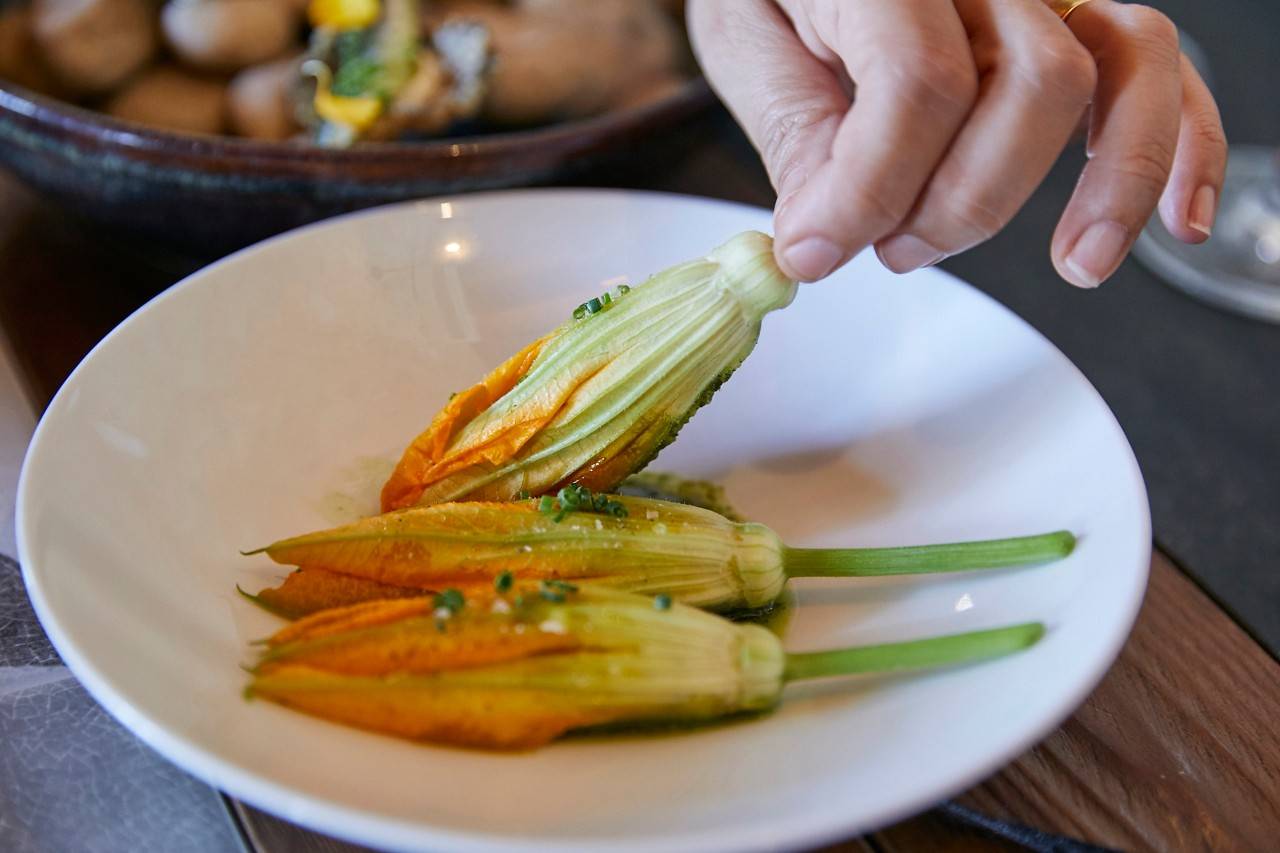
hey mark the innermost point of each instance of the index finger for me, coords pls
(916, 82)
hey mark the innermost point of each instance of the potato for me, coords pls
(171, 98)
(259, 100)
(20, 60)
(16, 41)
(94, 45)
(228, 35)
(560, 59)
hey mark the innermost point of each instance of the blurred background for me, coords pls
(209, 124)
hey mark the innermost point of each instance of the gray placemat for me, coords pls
(73, 779)
(22, 641)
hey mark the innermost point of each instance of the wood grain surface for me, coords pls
(1177, 749)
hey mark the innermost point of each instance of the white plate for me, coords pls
(263, 396)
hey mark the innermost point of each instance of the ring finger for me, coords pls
(1133, 135)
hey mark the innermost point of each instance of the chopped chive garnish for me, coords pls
(522, 495)
(662, 602)
(450, 599)
(447, 603)
(503, 582)
(577, 498)
(555, 591)
(603, 302)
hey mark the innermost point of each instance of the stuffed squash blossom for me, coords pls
(596, 399)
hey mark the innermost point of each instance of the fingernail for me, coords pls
(1097, 253)
(812, 258)
(906, 252)
(1203, 205)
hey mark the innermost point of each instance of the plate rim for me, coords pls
(356, 825)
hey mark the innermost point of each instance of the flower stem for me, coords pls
(915, 654)
(927, 559)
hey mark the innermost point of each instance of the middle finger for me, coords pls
(1036, 82)
(911, 63)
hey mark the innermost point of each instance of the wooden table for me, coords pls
(1176, 750)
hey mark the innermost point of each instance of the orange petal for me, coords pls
(417, 708)
(367, 614)
(309, 590)
(422, 548)
(416, 646)
(424, 461)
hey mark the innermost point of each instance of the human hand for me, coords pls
(961, 109)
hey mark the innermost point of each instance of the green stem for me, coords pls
(926, 559)
(915, 654)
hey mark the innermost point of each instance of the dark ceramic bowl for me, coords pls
(210, 194)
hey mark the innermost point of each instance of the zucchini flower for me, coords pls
(595, 400)
(648, 546)
(516, 669)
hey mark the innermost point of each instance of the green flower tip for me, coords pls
(749, 268)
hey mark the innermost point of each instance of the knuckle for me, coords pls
(1150, 22)
(1149, 30)
(979, 220)
(1148, 164)
(878, 207)
(1062, 70)
(784, 126)
(1206, 128)
(935, 79)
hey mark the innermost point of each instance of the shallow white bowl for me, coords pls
(266, 394)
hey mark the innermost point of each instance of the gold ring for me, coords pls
(1064, 8)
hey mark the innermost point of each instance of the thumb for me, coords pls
(787, 100)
